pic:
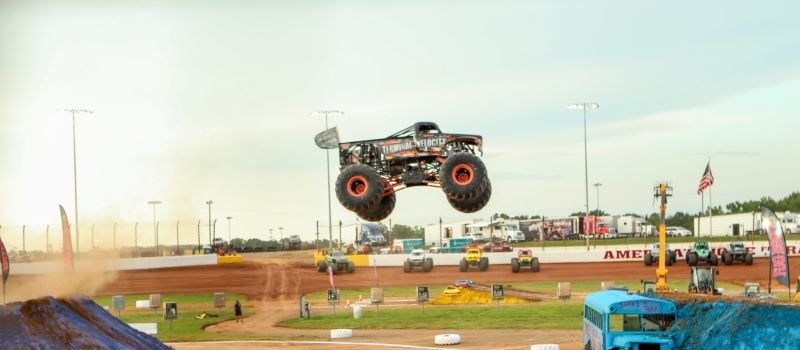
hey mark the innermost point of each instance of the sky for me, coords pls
(206, 100)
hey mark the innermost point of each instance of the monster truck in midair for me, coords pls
(420, 155)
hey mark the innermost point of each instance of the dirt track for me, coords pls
(272, 283)
(279, 279)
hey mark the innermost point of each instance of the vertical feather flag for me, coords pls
(68, 259)
(778, 259)
(6, 265)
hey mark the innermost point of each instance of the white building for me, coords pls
(740, 224)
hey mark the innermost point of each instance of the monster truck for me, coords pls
(651, 256)
(525, 258)
(418, 260)
(736, 252)
(338, 261)
(420, 155)
(703, 280)
(701, 252)
(473, 258)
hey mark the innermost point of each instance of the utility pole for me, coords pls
(155, 224)
(229, 228)
(326, 113)
(73, 112)
(281, 232)
(584, 106)
(209, 203)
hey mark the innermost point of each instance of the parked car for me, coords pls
(498, 245)
(677, 231)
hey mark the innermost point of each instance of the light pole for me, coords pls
(155, 225)
(326, 113)
(210, 242)
(584, 106)
(229, 228)
(597, 187)
(74, 111)
(281, 229)
(270, 234)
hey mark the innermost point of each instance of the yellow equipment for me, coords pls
(662, 191)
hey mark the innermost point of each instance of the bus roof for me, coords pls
(620, 302)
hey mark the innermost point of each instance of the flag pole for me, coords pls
(700, 218)
(710, 205)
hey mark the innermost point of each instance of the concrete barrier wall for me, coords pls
(579, 254)
(115, 264)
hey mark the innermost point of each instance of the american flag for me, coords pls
(707, 179)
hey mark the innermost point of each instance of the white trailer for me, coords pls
(740, 224)
(433, 234)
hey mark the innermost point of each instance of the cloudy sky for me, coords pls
(209, 100)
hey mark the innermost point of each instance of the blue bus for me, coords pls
(615, 319)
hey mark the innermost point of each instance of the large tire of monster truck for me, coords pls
(322, 266)
(462, 265)
(427, 266)
(407, 266)
(514, 265)
(535, 265)
(351, 267)
(380, 211)
(712, 259)
(462, 176)
(483, 265)
(727, 258)
(473, 205)
(691, 259)
(447, 339)
(359, 187)
(748, 258)
(648, 259)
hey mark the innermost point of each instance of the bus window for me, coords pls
(639, 323)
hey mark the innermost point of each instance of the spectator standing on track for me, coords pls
(237, 310)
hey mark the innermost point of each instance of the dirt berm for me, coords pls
(730, 325)
(69, 323)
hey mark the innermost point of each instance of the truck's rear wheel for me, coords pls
(462, 266)
(359, 187)
(514, 265)
(475, 204)
(462, 175)
(380, 211)
(648, 259)
(535, 265)
(748, 258)
(712, 259)
(351, 267)
(407, 266)
(322, 266)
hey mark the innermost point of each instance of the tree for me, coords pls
(400, 231)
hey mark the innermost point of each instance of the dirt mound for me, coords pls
(737, 325)
(69, 323)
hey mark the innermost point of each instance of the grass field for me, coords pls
(544, 315)
(186, 327)
(549, 314)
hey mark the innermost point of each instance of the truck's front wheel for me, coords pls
(359, 187)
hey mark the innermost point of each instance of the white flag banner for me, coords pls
(328, 139)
